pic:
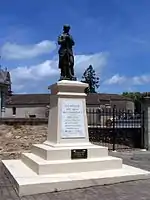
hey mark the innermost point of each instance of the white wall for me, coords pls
(25, 111)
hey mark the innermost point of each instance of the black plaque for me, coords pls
(78, 153)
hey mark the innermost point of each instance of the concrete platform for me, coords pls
(27, 182)
(41, 166)
(64, 153)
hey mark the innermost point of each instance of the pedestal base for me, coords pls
(67, 160)
(48, 169)
(57, 160)
(27, 182)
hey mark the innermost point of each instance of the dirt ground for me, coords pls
(19, 138)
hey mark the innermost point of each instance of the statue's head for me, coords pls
(66, 28)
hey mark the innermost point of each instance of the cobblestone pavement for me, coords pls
(134, 190)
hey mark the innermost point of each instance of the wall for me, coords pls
(145, 106)
(40, 110)
(130, 105)
(95, 118)
(2, 99)
(25, 111)
(120, 104)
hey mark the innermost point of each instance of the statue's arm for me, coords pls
(61, 40)
(72, 40)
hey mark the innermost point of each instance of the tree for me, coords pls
(136, 97)
(89, 76)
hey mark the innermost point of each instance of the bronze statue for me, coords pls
(66, 58)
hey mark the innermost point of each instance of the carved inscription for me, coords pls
(72, 119)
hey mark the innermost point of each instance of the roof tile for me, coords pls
(30, 99)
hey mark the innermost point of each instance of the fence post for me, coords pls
(143, 130)
(146, 126)
(114, 133)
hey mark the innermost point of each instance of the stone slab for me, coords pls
(28, 182)
(66, 87)
(41, 166)
(63, 153)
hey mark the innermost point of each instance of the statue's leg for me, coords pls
(64, 68)
(61, 67)
(66, 64)
(72, 70)
(67, 71)
(72, 65)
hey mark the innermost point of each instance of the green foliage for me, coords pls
(136, 96)
(89, 76)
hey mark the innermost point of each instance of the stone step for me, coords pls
(41, 166)
(64, 153)
(28, 182)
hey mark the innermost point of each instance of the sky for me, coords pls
(111, 35)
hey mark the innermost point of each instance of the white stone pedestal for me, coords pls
(67, 160)
(67, 124)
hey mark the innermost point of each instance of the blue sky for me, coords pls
(112, 35)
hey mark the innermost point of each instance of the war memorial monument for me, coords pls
(67, 160)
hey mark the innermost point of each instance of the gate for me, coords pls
(116, 129)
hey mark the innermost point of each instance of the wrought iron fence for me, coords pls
(116, 129)
(113, 128)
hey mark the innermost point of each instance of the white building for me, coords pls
(37, 105)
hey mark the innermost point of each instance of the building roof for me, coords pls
(44, 99)
(28, 99)
(97, 98)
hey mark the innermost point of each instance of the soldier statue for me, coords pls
(66, 58)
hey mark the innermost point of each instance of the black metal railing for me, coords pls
(116, 129)
(113, 128)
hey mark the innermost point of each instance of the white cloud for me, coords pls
(141, 80)
(116, 79)
(98, 60)
(49, 69)
(12, 51)
(121, 80)
(36, 72)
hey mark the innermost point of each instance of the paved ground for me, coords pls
(135, 190)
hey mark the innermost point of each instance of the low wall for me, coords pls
(23, 121)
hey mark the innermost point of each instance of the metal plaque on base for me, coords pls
(78, 153)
